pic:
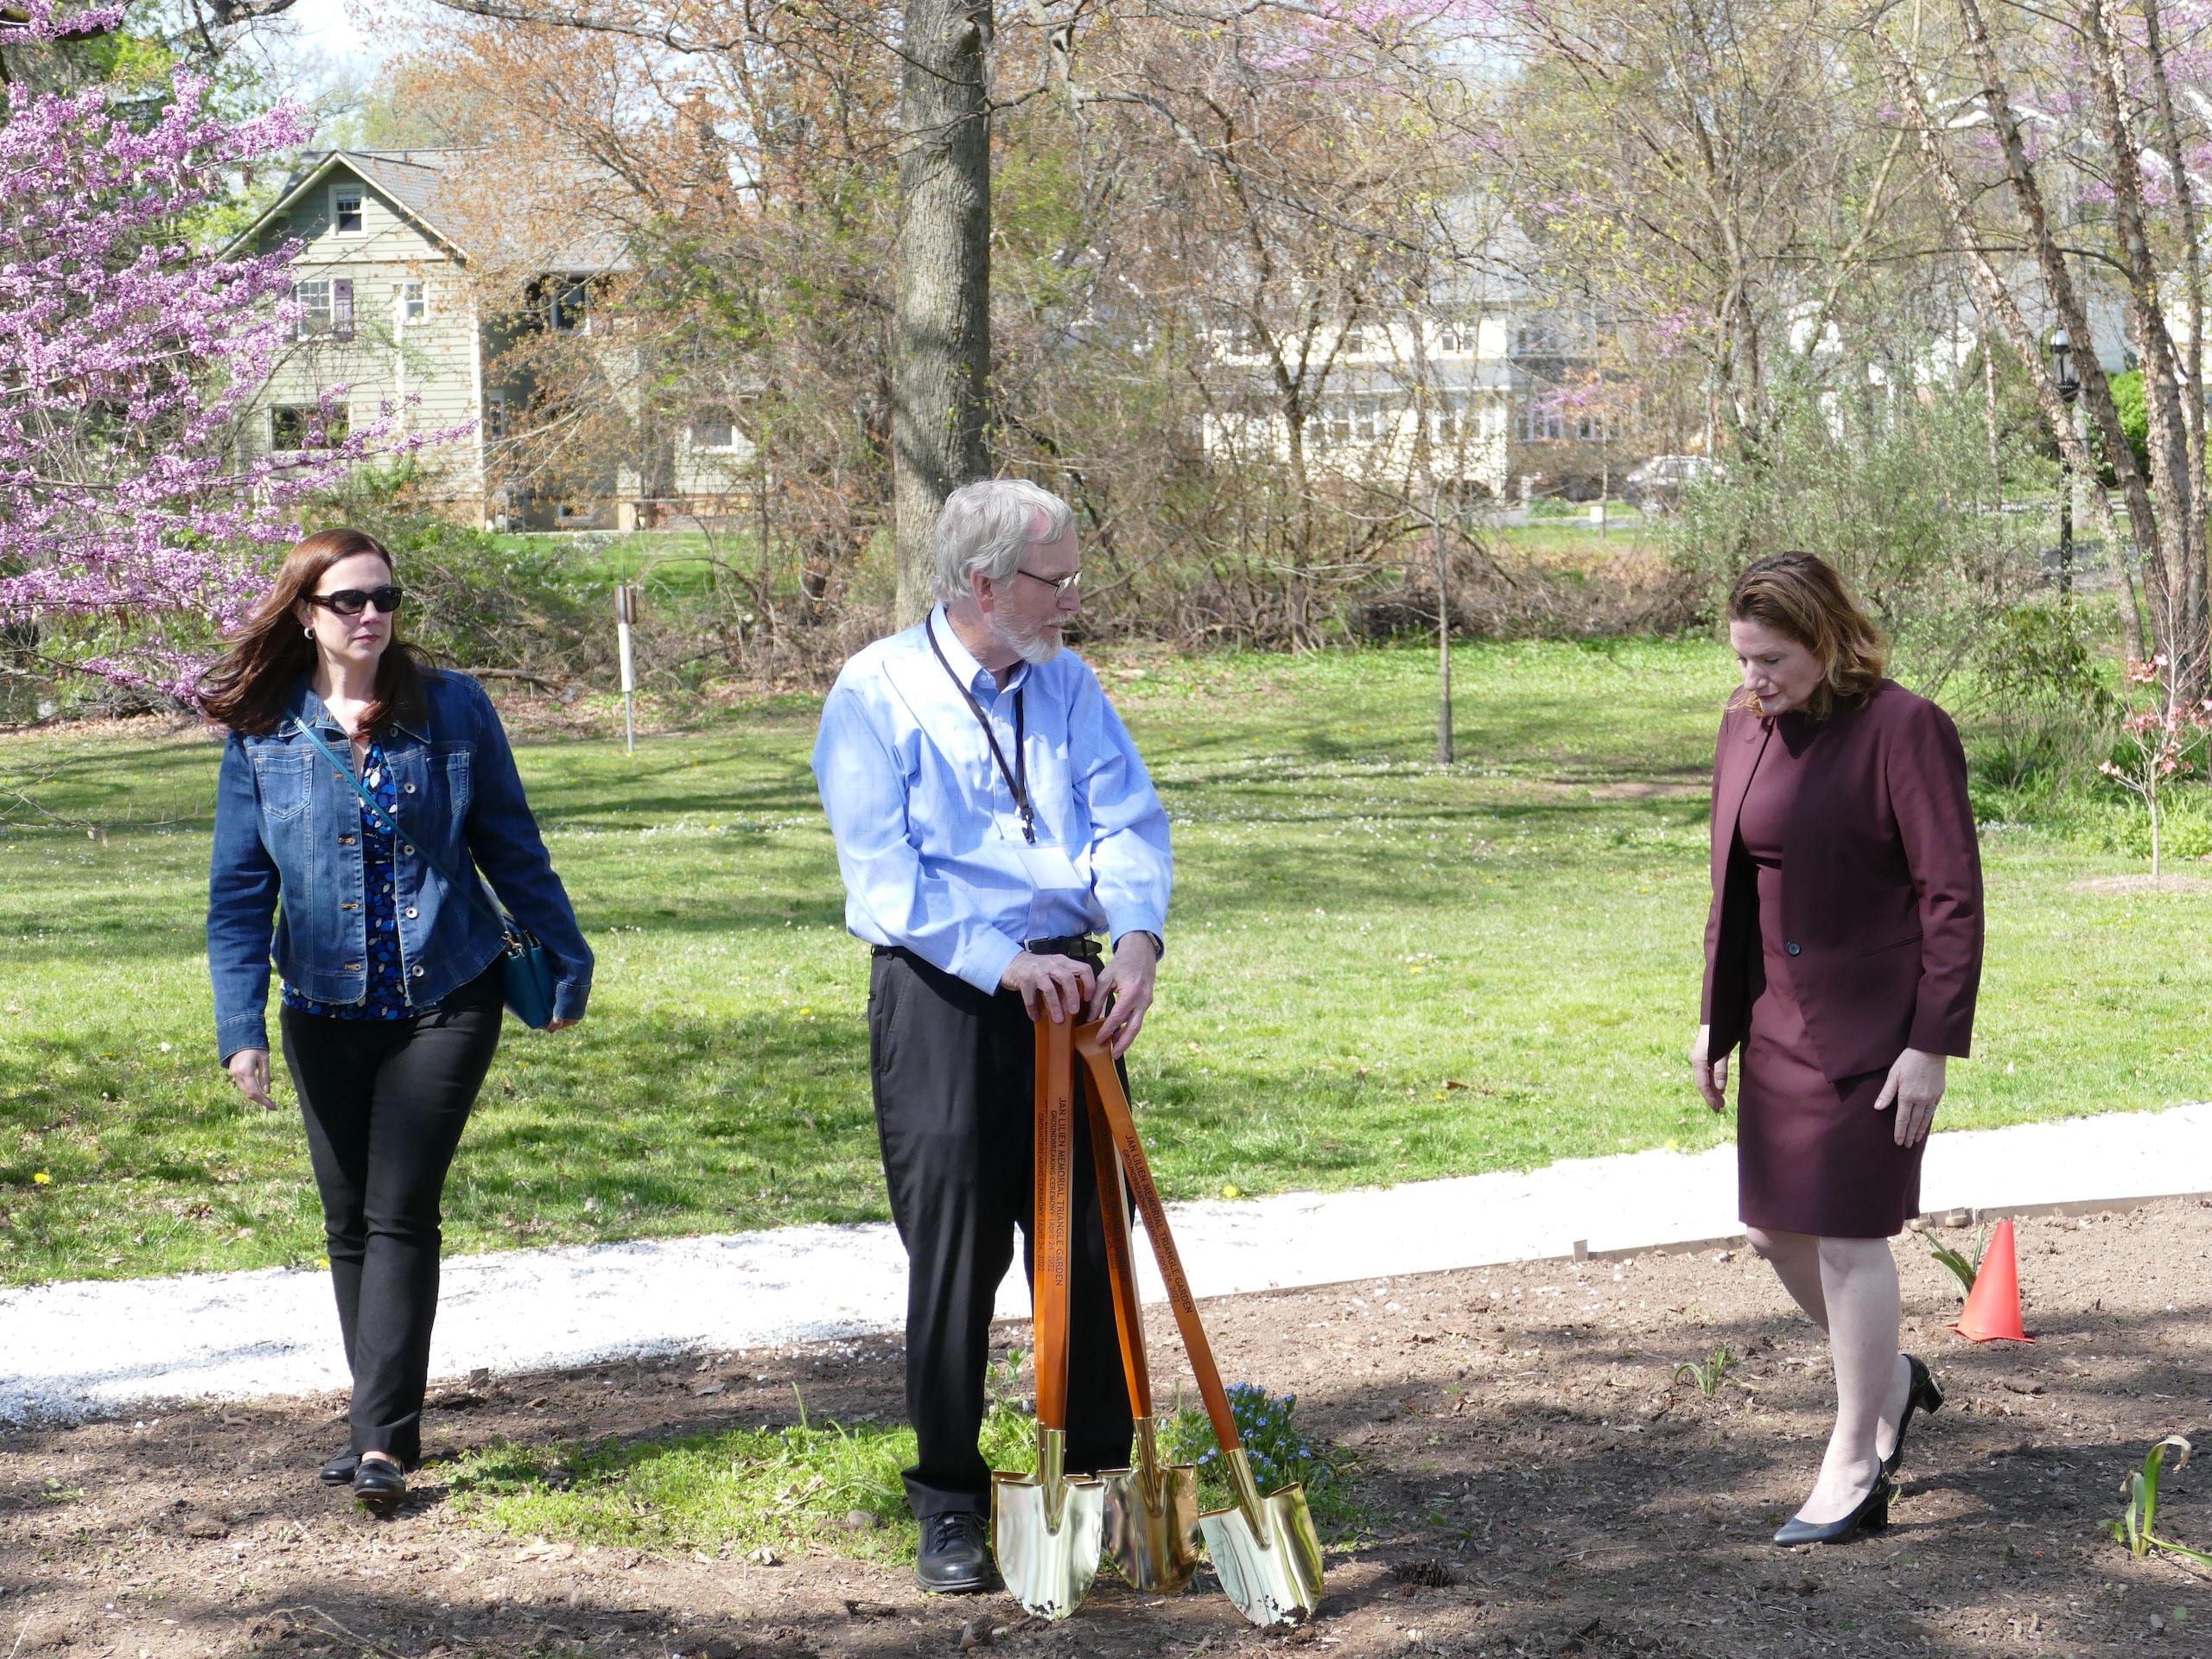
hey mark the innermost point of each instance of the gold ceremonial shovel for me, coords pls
(1264, 1548)
(1045, 1527)
(1152, 1509)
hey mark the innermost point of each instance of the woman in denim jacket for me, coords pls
(391, 979)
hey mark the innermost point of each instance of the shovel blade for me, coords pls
(1152, 1526)
(1047, 1560)
(1275, 1579)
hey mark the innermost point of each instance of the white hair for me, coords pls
(987, 526)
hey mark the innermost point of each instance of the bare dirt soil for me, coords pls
(1536, 1482)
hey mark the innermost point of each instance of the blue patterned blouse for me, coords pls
(387, 997)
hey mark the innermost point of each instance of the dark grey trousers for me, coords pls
(386, 1101)
(954, 1071)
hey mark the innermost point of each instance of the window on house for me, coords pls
(1455, 338)
(326, 308)
(1550, 336)
(1353, 342)
(571, 308)
(715, 431)
(414, 302)
(307, 426)
(1598, 426)
(346, 209)
(499, 413)
(1540, 420)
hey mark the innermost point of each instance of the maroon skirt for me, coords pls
(1813, 1156)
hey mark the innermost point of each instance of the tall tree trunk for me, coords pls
(943, 319)
(2192, 361)
(2173, 489)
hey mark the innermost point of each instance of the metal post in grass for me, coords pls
(2070, 388)
(1443, 633)
(626, 615)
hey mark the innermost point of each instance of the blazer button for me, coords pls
(418, 970)
(1794, 947)
(410, 850)
(410, 788)
(410, 913)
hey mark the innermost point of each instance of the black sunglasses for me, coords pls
(352, 602)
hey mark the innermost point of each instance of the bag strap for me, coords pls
(1121, 1258)
(1048, 1239)
(1136, 1168)
(507, 924)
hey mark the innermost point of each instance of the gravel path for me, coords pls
(75, 1350)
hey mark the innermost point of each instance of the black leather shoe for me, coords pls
(1872, 1515)
(379, 1486)
(339, 1471)
(1925, 1396)
(954, 1560)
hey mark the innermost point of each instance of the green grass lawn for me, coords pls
(1380, 969)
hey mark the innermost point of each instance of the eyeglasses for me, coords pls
(1057, 584)
(352, 602)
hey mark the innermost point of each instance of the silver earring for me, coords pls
(308, 632)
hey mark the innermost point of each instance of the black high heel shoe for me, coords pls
(1924, 1396)
(1872, 1515)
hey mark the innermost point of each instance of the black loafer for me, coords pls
(380, 1487)
(955, 1560)
(1924, 1396)
(339, 1471)
(1872, 1515)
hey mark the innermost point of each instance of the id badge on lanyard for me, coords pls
(1051, 870)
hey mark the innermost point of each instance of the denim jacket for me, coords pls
(287, 825)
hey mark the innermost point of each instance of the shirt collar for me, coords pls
(986, 685)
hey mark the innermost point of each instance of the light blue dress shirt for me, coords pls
(928, 835)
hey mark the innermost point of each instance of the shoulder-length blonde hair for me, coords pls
(1799, 596)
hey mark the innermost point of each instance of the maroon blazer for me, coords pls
(1881, 886)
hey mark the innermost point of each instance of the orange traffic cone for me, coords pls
(1993, 1309)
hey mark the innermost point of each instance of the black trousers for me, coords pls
(386, 1101)
(954, 1071)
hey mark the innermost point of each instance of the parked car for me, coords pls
(1657, 485)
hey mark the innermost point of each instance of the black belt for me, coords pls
(1081, 946)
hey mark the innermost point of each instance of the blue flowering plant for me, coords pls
(1281, 1453)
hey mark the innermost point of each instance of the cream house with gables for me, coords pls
(392, 314)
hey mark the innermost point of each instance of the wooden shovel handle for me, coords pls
(1121, 1260)
(1048, 1239)
(1136, 1168)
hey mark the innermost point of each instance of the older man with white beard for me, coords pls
(991, 815)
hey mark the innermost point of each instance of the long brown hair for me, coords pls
(248, 690)
(1801, 596)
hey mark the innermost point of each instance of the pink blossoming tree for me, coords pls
(134, 519)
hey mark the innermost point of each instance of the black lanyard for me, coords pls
(1017, 778)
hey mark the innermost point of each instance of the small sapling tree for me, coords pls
(2156, 739)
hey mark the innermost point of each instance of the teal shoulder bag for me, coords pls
(525, 966)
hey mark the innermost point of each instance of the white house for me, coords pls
(394, 315)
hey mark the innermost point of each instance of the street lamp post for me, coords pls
(2070, 388)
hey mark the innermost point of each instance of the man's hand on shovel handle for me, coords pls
(1052, 987)
(1125, 991)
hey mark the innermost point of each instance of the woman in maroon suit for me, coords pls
(1843, 954)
